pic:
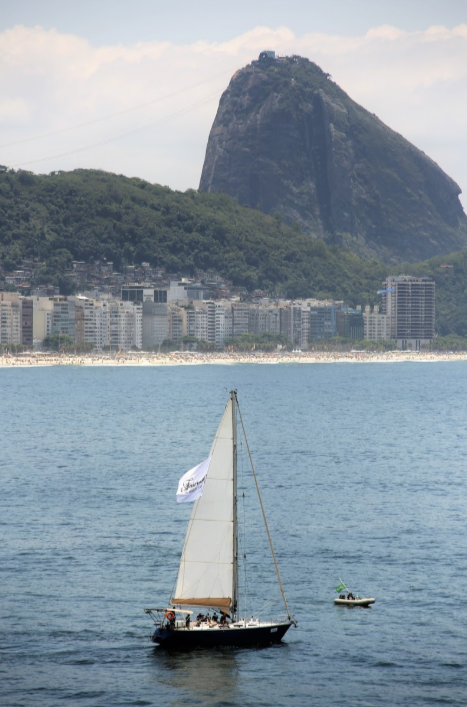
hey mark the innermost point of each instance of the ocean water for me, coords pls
(363, 472)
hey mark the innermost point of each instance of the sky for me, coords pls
(132, 87)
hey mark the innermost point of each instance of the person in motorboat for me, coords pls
(350, 596)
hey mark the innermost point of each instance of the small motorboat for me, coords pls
(350, 599)
(356, 601)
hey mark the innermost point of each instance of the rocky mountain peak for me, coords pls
(287, 139)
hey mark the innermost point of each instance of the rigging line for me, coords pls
(262, 510)
(114, 115)
(122, 135)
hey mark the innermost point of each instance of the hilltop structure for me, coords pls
(287, 139)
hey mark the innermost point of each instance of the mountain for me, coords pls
(287, 139)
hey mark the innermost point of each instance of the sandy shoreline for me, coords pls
(193, 359)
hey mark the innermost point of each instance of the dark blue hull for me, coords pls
(183, 639)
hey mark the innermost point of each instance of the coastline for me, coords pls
(195, 359)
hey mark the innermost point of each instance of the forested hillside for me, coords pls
(89, 214)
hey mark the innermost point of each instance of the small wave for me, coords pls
(386, 664)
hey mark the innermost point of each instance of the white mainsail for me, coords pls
(206, 573)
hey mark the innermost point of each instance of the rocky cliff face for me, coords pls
(287, 139)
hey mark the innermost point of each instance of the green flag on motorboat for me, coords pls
(340, 587)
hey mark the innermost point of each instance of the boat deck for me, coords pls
(235, 634)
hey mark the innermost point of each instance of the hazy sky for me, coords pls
(133, 86)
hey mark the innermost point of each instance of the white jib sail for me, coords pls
(206, 568)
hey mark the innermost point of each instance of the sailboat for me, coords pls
(208, 574)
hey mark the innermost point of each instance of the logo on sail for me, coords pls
(190, 486)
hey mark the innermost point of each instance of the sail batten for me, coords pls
(205, 576)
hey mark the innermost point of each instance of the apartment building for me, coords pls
(42, 317)
(349, 323)
(124, 325)
(10, 322)
(143, 293)
(322, 321)
(176, 323)
(197, 323)
(240, 318)
(264, 320)
(410, 303)
(63, 317)
(187, 290)
(16, 319)
(154, 324)
(377, 326)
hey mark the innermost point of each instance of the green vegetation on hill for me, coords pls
(88, 214)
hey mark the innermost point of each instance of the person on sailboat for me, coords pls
(170, 616)
(224, 622)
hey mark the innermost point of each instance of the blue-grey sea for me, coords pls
(363, 472)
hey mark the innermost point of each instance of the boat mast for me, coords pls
(233, 397)
(264, 514)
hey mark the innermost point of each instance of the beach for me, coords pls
(196, 359)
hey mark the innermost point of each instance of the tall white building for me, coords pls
(240, 318)
(16, 319)
(124, 325)
(10, 322)
(175, 323)
(264, 320)
(197, 323)
(299, 323)
(64, 316)
(219, 323)
(95, 322)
